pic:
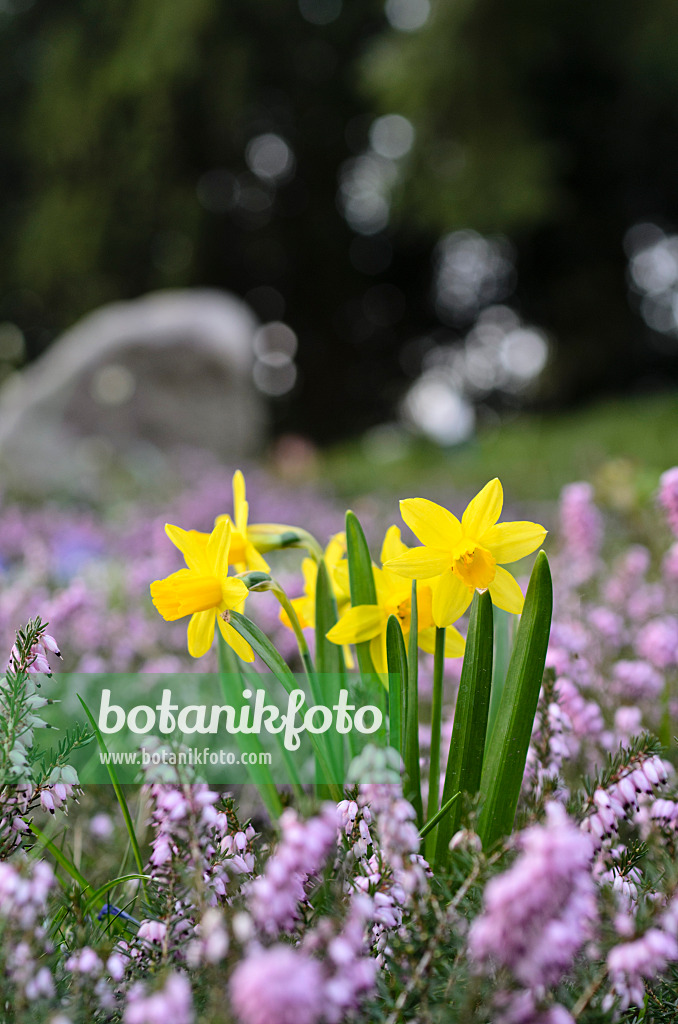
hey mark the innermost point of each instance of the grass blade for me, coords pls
(505, 761)
(136, 852)
(438, 816)
(60, 857)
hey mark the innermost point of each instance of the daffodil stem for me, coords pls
(322, 778)
(287, 605)
(436, 726)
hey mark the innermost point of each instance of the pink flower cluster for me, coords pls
(275, 896)
(172, 1004)
(620, 799)
(540, 912)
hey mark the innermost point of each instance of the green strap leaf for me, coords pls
(361, 582)
(396, 658)
(329, 657)
(503, 622)
(412, 780)
(436, 728)
(504, 765)
(467, 745)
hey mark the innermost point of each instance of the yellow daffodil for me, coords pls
(337, 570)
(304, 606)
(203, 590)
(465, 556)
(369, 621)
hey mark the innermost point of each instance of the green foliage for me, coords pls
(504, 763)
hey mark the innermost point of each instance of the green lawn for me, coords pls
(614, 443)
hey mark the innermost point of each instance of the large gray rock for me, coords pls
(127, 388)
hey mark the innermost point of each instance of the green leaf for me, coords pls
(412, 780)
(504, 765)
(361, 583)
(68, 866)
(262, 646)
(108, 886)
(329, 657)
(503, 622)
(117, 788)
(231, 685)
(438, 816)
(436, 728)
(467, 745)
(396, 658)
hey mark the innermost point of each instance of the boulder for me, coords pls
(130, 387)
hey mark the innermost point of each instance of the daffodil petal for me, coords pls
(233, 591)
(510, 541)
(217, 546)
(424, 606)
(484, 510)
(192, 545)
(240, 506)
(201, 633)
(432, 524)
(451, 598)
(455, 645)
(254, 559)
(234, 640)
(340, 580)
(506, 593)
(358, 624)
(419, 563)
(378, 653)
(393, 545)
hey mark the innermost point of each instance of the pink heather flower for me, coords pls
(668, 497)
(636, 680)
(539, 913)
(581, 527)
(84, 961)
(279, 985)
(152, 931)
(631, 962)
(173, 1004)
(658, 642)
(274, 897)
(101, 826)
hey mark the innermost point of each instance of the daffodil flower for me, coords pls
(203, 590)
(394, 597)
(462, 557)
(304, 606)
(337, 570)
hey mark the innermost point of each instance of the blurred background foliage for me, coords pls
(446, 193)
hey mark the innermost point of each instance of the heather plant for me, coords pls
(527, 878)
